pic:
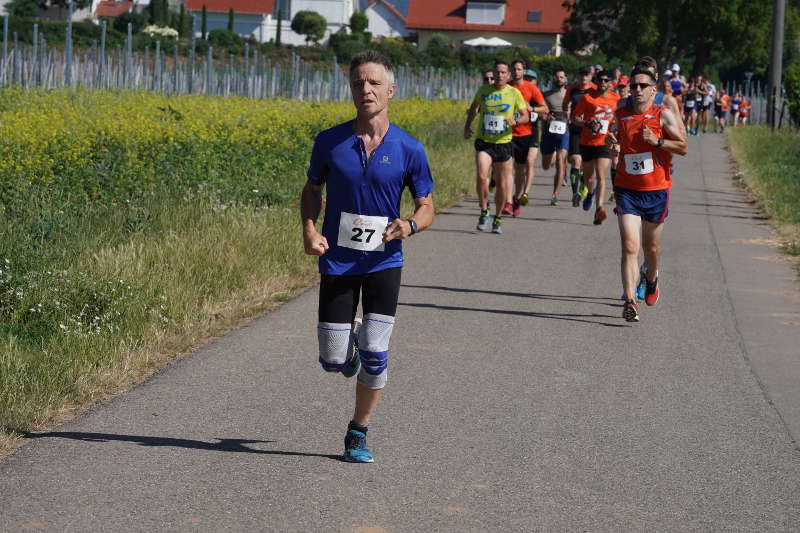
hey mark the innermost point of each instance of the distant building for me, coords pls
(534, 24)
(259, 18)
(387, 18)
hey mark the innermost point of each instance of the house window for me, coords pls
(534, 16)
(540, 48)
(486, 13)
(284, 7)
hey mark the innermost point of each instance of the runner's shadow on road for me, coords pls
(224, 445)
(611, 302)
(554, 316)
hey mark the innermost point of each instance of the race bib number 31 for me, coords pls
(558, 127)
(493, 124)
(639, 163)
(361, 232)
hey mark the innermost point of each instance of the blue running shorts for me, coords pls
(554, 141)
(652, 206)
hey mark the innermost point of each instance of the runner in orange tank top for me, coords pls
(595, 115)
(648, 135)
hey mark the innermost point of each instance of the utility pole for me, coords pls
(776, 63)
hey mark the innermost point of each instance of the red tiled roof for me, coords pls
(393, 10)
(112, 8)
(452, 15)
(239, 6)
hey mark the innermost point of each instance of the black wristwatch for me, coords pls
(660, 142)
(413, 224)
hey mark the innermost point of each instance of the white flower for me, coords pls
(156, 31)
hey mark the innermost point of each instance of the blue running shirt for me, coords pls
(363, 196)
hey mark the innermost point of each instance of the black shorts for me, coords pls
(590, 153)
(500, 153)
(574, 143)
(719, 113)
(535, 135)
(339, 295)
(521, 146)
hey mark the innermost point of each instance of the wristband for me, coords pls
(660, 142)
(413, 224)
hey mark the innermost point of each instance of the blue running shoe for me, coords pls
(353, 365)
(497, 227)
(483, 222)
(587, 202)
(355, 447)
(642, 286)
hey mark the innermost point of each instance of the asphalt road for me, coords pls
(518, 398)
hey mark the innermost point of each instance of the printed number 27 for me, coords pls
(359, 232)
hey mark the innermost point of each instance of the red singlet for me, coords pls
(642, 166)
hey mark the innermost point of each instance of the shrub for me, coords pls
(224, 38)
(311, 24)
(792, 86)
(137, 21)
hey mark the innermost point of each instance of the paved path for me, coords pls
(519, 400)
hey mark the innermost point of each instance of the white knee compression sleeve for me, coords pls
(335, 345)
(373, 347)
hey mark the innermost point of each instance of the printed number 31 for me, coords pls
(360, 232)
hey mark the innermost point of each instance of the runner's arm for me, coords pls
(310, 207)
(423, 216)
(674, 134)
(471, 112)
(672, 104)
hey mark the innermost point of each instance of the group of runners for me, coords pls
(604, 121)
(703, 104)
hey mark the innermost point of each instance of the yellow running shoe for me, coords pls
(523, 199)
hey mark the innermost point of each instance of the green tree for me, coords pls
(792, 86)
(181, 22)
(137, 20)
(311, 24)
(359, 22)
(23, 8)
(279, 29)
(203, 23)
(702, 31)
(231, 19)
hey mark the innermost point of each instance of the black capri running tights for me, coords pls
(339, 295)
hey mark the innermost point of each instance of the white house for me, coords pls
(259, 18)
(386, 19)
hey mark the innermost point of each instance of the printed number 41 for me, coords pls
(360, 232)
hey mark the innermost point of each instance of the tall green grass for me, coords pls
(96, 290)
(769, 163)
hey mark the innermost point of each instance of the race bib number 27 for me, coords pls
(361, 232)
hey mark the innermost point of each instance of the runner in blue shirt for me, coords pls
(365, 164)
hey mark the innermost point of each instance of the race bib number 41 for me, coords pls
(493, 124)
(558, 127)
(639, 163)
(361, 232)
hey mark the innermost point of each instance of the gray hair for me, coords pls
(372, 56)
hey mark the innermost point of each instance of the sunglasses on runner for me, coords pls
(604, 80)
(641, 86)
(488, 80)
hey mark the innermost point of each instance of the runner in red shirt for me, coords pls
(648, 135)
(595, 114)
(525, 139)
(574, 95)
